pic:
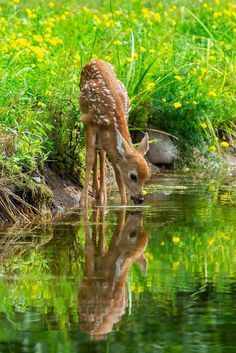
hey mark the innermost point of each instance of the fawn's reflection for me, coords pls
(102, 292)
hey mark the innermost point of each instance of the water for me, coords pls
(158, 278)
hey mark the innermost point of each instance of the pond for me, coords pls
(156, 278)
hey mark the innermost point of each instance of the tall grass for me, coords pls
(176, 58)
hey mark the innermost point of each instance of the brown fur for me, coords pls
(106, 269)
(104, 103)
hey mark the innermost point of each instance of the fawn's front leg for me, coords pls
(120, 184)
(90, 157)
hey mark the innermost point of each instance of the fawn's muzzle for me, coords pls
(137, 199)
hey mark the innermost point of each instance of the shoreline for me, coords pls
(45, 196)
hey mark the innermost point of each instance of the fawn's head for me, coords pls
(133, 166)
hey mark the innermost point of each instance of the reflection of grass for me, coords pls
(35, 269)
(176, 61)
(221, 187)
(197, 247)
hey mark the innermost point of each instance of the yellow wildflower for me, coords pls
(148, 256)
(224, 144)
(38, 38)
(212, 148)
(29, 13)
(157, 17)
(212, 93)
(142, 49)
(48, 93)
(203, 125)
(146, 13)
(117, 42)
(217, 14)
(212, 58)
(178, 78)
(129, 29)
(49, 22)
(5, 48)
(109, 23)
(216, 138)
(211, 242)
(175, 265)
(130, 60)
(152, 51)
(54, 40)
(37, 51)
(63, 17)
(51, 4)
(175, 239)
(150, 86)
(140, 289)
(97, 19)
(76, 58)
(40, 104)
(177, 105)
(20, 43)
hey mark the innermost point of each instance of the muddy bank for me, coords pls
(25, 198)
(66, 193)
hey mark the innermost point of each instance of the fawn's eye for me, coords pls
(133, 177)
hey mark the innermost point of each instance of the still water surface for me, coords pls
(157, 278)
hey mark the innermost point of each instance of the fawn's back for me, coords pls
(104, 96)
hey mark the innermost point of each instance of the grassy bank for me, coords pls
(176, 59)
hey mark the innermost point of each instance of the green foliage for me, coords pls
(177, 62)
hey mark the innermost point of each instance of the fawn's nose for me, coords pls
(137, 199)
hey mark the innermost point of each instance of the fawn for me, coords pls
(102, 297)
(104, 104)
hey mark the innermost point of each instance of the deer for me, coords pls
(104, 105)
(102, 294)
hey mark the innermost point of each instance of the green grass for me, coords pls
(176, 58)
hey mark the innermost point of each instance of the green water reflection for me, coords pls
(160, 278)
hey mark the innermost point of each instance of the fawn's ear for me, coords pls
(144, 145)
(142, 263)
(122, 145)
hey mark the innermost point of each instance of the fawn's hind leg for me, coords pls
(95, 185)
(102, 190)
(90, 157)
